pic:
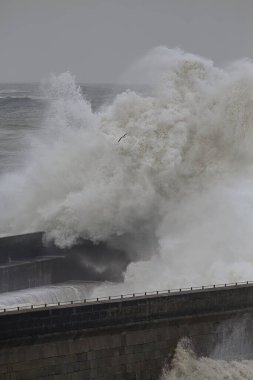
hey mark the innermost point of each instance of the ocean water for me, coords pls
(165, 173)
(23, 108)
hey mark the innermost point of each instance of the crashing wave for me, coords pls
(187, 366)
(177, 187)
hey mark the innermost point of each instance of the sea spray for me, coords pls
(51, 294)
(175, 191)
(187, 366)
(233, 345)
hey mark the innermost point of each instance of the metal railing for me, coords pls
(122, 297)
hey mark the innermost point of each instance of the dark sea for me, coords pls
(23, 108)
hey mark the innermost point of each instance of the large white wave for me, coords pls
(176, 190)
(187, 366)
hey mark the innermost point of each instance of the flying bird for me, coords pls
(122, 137)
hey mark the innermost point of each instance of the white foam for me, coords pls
(181, 178)
(51, 294)
(187, 366)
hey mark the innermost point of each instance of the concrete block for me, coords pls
(135, 337)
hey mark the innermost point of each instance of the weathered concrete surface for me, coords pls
(25, 262)
(29, 273)
(123, 339)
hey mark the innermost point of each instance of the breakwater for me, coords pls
(124, 338)
(26, 261)
(23, 274)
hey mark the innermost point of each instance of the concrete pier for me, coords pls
(31, 273)
(128, 338)
(26, 261)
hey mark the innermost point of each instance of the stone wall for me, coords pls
(28, 273)
(26, 261)
(123, 339)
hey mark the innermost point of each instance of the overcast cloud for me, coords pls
(97, 40)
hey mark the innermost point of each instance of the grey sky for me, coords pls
(98, 39)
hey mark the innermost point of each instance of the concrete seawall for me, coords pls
(29, 273)
(117, 339)
(26, 262)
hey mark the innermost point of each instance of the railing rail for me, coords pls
(168, 292)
